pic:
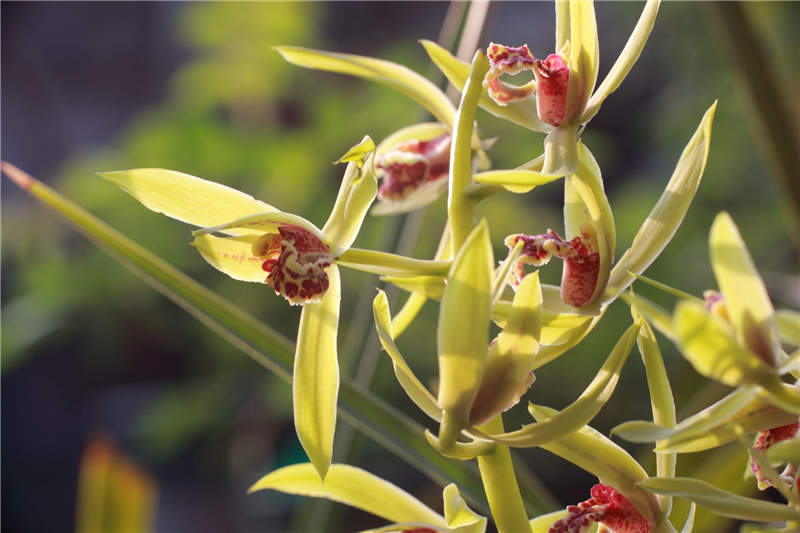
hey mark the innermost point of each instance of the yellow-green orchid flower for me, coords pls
(357, 488)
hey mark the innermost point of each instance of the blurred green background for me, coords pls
(196, 87)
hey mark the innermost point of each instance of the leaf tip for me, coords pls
(22, 179)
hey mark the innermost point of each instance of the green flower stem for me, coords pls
(500, 484)
(388, 264)
(460, 210)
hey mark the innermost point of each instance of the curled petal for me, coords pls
(512, 61)
(767, 439)
(552, 81)
(606, 506)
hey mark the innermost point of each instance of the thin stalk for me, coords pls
(392, 264)
(500, 484)
(460, 210)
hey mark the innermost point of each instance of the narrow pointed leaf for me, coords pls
(354, 487)
(789, 326)
(413, 387)
(665, 218)
(522, 113)
(591, 451)
(463, 335)
(582, 410)
(356, 194)
(364, 410)
(720, 501)
(232, 255)
(458, 515)
(706, 342)
(316, 375)
(397, 77)
(387, 264)
(187, 198)
(625, 61)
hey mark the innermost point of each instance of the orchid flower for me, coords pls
(561, 98)
(357, 488)
(291, 255)
(607, 507)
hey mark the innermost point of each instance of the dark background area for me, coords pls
(195, 87)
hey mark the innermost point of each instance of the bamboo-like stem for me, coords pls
(500, 484)
(459, 210)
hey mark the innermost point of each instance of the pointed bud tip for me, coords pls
(22, 179)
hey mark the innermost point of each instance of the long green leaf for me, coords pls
(357, 406)
(720, 501)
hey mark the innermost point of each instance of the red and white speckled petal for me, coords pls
(606, 506)
(766, 440)
(552, 81)
(511, 61)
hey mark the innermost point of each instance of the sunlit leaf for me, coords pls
(397, 77)
(316, 375)
(720, 501)
(354, 487)
(523, 113)
(413, 387)
(746, 300)
(625, 61)
(463, 335)
(665, 218)
(356, 194)
(186, 198)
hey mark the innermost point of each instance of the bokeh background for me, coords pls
(88, 349)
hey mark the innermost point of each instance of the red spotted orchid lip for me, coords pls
(295, 261)
(413, 165)
(606, 506)
(581, 263)
(766, 440)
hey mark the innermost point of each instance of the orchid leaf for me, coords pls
(387, 264)
(397, 77)
(232, 255)
(463, 335)
(625, 61)
(706, 342)
(413, 387)
(591, 451)
(720, 501)
(746, 300)
(356, 194)
(519, 181)
(354, 487)
(666, 288)
(582, 410)
(584, 60)
(364, 410)
(187, 198)
(458, 515)
(522, 113)
(788, 326)
(667, 215)
(561, 151)
(316, 375)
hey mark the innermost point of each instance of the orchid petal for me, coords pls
(582, 410)
(233, 256)
(788, 326)
(591, 451)
(356, 194)
(562, 23)
(423, 196)
(584, 60)
(501, 274)
(558, 324)
(665, 218)
(720, 501)
(551, 352)
(408, 313)
(586, 203)
(460, 450)
(413, 387)
(746, 300)
(790, 364)
(666, 288)
(706, 342)
(316, 376)
(267, 222)
(625, 61)
(354, 487)
(187, 198)
(787, 451)
(561, 151)
(397, 77)
(656, 315)
(388, 264)
(688, 526)
(510, 356)
(463, 332)
(427, 286)
(403, 527)
(518, 181)
(457, 72)
(423, 131)
(458, 515)
(543, 522)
